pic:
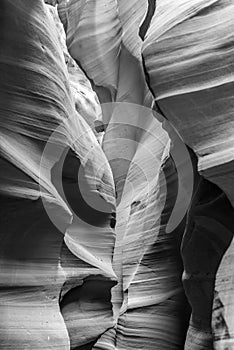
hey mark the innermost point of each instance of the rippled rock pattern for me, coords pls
(36, 269)
(193, 86)
(116, 232)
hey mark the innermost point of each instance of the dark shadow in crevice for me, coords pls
(94, 295)
(86, 203)
(157, 108)
(208, 234)
(146, 23)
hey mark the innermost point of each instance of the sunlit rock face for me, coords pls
(42, 257)
(86, 101)
(188, 54)
(116, 228)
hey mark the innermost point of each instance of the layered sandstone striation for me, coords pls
(117, 168)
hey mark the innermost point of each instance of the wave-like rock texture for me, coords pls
(43, 140)
(188, 55)
(116, 232)
(140, 220)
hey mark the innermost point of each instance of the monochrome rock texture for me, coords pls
(188, 56)
(37, 109)
(117, 167)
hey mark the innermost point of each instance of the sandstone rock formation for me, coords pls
(117, 226)
(37, 109)
(193, 87)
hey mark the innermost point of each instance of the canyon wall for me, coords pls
(117, 168)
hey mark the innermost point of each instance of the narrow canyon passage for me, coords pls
(116, 136)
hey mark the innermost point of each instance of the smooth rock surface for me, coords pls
(188, 53)
(110, 216)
